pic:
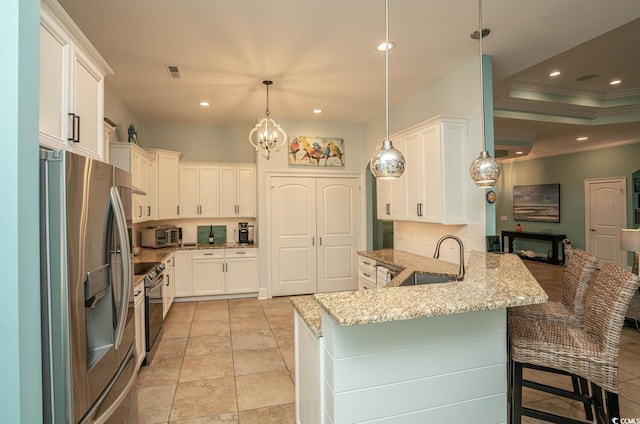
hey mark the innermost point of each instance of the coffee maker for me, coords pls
(243, 232)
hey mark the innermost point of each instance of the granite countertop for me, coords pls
(491, 281)
(309, 310)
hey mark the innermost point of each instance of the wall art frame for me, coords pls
(538, 203)
(316, 151)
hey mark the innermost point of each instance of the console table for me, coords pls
(555, 239)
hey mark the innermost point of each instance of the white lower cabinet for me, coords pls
(138, 307)
(168, 291)
(210, 272)
(183, 273)
(366, 273)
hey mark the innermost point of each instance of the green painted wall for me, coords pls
(570, 171)
(20, 373)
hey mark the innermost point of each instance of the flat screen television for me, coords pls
(539, 203)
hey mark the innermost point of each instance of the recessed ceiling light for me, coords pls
(615, 82)
(582, 138)
(519, 152)
(204, 104)
(554, 73)
(383, 46)
(317, 110)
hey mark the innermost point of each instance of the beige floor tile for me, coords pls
(175, 329)
(281, 320)
(257, 361)
(243, 302)
(213, 304)
(247, 340)
(154, 403)
(231, 418)
(204, 398)
(211, 314)
(206, 367)
(278, 308)
(162, 371)
(249, 324)
(210, 328)
(289, 355)
(171, 347)
(202, 345)
(276, 300)
(179, 315)
(261, 390)
(284, 336)
(248, 312)
(279, 414)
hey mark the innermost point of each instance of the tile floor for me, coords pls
(232, 362)
(225, 361)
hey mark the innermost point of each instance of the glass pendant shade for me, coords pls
(485, 170)
(388, 162)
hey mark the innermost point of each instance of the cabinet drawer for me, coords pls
(365, 273)
(367, 285)
(367, 263)
(208, 253)
(240, 253)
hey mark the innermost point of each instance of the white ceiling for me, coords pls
(321, 54)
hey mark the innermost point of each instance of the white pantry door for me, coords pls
(337, 231)
(314, 235)
(293, 234)
(605, 215)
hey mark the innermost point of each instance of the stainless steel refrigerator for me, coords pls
(89, 358)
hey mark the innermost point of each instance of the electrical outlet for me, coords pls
(504, 218)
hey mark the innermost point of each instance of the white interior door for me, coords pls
(293, 236)
(605, 215)
(337, 231)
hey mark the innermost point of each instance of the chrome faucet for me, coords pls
(436, 254)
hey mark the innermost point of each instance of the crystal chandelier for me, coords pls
(267, 137)
(388, 162)
(485, 170)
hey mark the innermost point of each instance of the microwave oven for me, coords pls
(163, 236)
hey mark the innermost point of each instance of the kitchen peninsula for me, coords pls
(430, 353)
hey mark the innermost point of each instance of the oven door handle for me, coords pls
(155, 282)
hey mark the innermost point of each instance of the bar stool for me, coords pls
(579, 270)
(590, 352)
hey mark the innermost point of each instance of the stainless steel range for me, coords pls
(153, 305)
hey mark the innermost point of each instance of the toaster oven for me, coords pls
(162, 236)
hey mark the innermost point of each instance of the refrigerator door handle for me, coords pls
(131, 356)
(121, 226)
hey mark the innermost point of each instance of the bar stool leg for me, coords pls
(516, 393)
(613, 407)
(581, 386)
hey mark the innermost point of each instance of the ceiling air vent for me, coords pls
(173, 71)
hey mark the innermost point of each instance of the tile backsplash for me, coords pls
(190, 228)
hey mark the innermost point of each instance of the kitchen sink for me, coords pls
(141, 268)
(419, 278)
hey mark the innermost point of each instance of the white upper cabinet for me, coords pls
(71, 86)
(141, 165)
(238, 191)
(433, 185)
(199, 190)
(167, 186)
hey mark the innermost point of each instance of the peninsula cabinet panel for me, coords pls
(183, 277)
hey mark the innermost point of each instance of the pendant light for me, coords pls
(485, 170)
(388, 162)
(267, 137)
